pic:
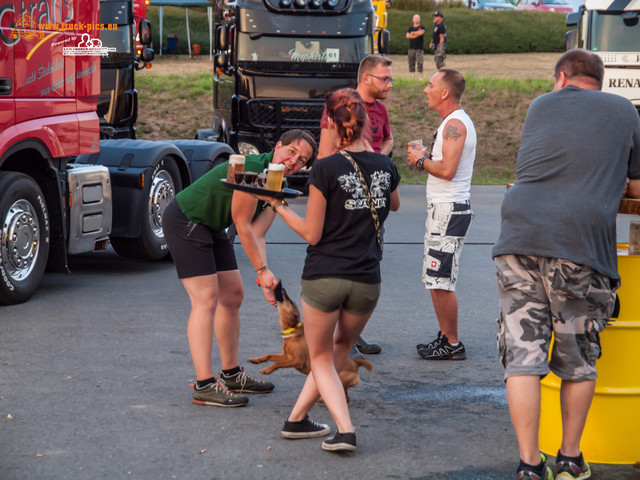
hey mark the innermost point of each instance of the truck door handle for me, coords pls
(5, 86)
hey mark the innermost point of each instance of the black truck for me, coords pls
(276, 60)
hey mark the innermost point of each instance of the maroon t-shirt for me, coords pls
(379, 128)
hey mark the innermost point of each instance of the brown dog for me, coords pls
(295, 353)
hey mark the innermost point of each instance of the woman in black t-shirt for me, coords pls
(341, 277)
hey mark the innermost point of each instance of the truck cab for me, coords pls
(611, 29)
(276, 60)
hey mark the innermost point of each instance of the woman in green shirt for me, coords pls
(194, 225)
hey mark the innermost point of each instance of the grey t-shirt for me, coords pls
(577, 149)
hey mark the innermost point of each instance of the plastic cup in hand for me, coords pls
(236, 164)
(416, 144)
(275, 173)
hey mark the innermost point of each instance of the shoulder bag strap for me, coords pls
(367, 193)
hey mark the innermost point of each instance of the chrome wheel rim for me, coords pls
(160, 195)
(20, 240)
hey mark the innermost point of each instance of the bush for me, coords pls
(483, 31)
(468, 31)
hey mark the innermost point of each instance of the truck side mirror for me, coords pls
(221, 43)
(147, 54)
(220, 59)
(573, 19)
(384, 42)
(571, 40)
(144, 30)
(630, 19)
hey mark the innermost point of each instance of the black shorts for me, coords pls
(196, 250)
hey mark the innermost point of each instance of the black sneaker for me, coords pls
(527, 473)
(572, 468)
(443, 350)
(424, 346)
(341, 442)
(306, 428)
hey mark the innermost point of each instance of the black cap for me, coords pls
(438, 14)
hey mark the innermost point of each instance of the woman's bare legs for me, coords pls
(212, 305)
(329, 338)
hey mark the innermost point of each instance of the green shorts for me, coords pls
(331, 294)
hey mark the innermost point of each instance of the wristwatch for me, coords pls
(419, 163)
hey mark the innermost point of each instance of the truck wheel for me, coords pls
(164, 185)
(24, 240)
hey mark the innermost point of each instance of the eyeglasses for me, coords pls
(386, 80)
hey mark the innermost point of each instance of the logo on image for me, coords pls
(88, 46)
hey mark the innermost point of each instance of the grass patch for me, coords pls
(175, 106)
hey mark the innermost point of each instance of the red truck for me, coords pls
(73, 177)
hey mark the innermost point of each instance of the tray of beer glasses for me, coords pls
(252, 182)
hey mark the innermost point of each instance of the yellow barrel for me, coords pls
(612, 431)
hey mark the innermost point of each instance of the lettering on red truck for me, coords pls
(43, 11)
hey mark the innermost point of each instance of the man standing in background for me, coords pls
(374, 83)
(449, 214)
(415, 34)
(439, 39)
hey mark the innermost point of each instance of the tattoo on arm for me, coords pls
(452, 133)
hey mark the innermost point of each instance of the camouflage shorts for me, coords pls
(446, 229)
(538, 296)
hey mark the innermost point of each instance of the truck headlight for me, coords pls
(245, 148)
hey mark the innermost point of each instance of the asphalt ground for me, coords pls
(95, 373)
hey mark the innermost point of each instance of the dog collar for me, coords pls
(289, 331)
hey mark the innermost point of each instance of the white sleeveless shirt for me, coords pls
(458, 189)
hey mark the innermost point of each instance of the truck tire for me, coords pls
(164, 185)
(24, 240)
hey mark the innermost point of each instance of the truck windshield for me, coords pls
(120, 38)
(307, 54)
(611, 34)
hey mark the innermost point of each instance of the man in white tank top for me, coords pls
(450, 166)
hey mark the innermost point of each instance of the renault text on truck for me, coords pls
(72, 176)
(275, 60)
(610, 28)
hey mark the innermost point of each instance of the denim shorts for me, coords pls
(331, 294)
(539, 296)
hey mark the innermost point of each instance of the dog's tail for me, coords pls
(363, 362)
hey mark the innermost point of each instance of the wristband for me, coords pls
(279, 203)
(260, 270)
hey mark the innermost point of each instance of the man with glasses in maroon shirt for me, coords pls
(374, 83)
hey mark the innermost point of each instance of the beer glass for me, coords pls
(236, 164)
(275, 173)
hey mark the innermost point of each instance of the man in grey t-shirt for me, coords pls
(556, 254)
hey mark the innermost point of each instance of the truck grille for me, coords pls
(274, 117)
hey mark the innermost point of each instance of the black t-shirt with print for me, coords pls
(348, 247)
(439, 29)
(416, 43)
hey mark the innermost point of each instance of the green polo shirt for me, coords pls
(208, 202)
